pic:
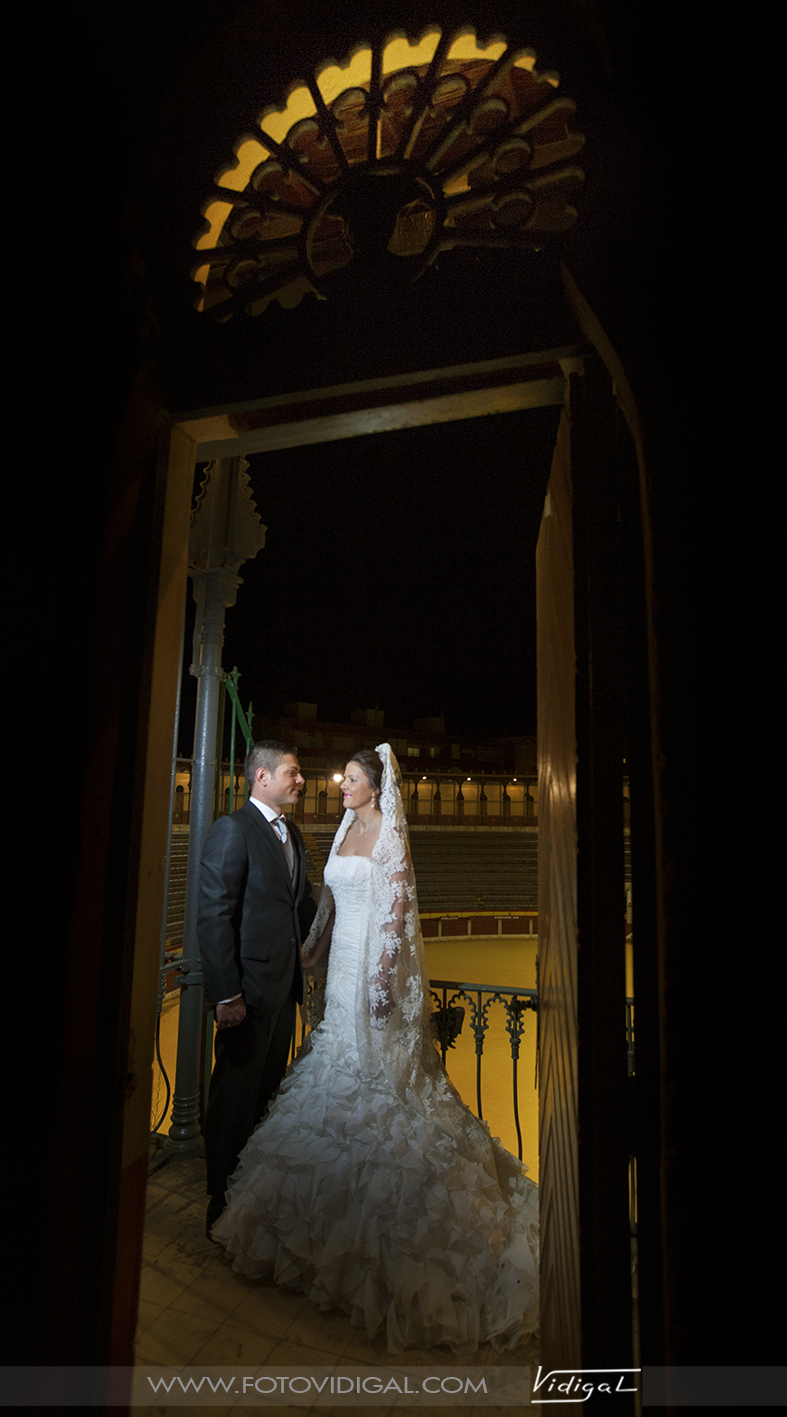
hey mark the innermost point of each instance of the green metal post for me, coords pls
(249, 744)
(232, 750)
(231, 684)
(225, 531)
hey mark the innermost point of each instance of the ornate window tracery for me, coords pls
(373, 166)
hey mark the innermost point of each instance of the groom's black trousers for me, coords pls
(251, 1060)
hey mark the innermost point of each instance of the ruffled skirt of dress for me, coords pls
(388, 1211)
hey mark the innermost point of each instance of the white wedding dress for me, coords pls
(399, 1210)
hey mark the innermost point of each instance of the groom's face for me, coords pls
(281, 788)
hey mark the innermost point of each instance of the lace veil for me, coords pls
(392, 1000)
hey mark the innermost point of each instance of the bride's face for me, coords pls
(356, 788)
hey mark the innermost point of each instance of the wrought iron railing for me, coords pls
(448, 1018)
(450, 996)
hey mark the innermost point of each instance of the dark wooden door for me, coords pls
(584, 1126)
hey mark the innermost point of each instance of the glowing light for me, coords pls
(337, 777)
(278, 122)
(466, 46)
(279, 274)
(248, 155)
(399, 53)
(215, 214)
(335, 78)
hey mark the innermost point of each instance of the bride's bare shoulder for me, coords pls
(345, 847)
(357, 842)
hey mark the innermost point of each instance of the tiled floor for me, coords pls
(194, 1311)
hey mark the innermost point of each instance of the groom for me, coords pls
(255, 903)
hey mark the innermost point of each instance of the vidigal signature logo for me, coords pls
(578, 1384)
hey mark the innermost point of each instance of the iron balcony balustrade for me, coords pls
(448, 1016)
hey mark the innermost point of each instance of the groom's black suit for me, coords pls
(251, 916)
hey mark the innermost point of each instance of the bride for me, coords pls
(370, 1186)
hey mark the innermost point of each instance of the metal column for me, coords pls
(226, 531)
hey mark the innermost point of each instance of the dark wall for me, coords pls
(139, 88)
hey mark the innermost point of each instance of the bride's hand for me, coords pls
(319, 948)
(382, 1005)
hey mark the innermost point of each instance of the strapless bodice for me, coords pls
(349, 878)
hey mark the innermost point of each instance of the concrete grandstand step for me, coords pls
(468, 870)
(481, 869)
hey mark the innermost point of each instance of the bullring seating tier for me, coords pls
(481, 869)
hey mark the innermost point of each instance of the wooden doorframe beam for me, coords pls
(413, 399)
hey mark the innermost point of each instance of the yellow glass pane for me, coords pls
(215, 214)
(399, 53)
(335, 78)
(278, 123)
(466, 46)
(248, 155)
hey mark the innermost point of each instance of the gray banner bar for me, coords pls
(66, 1387)
(714, 1387)
(404, 1386)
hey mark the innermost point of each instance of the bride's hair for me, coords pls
(367, 759)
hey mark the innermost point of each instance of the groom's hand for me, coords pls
(231, 1014)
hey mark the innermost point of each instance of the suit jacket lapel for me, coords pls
(270, 837)
(300, 861)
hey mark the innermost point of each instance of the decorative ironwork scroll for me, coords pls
(480, 997)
